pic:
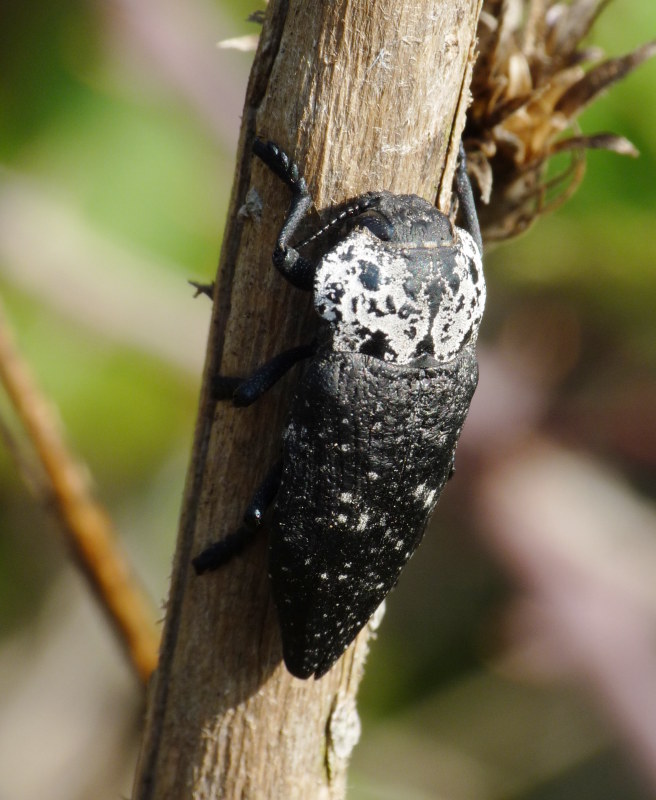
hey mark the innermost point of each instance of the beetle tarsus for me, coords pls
(245, 391)
(219, 553)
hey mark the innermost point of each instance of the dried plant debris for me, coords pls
(257, 16)
(245, 43)
(532, 79)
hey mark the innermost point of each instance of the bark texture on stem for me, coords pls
(364, 94)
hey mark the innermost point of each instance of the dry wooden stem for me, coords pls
(84, 522)
(365, 94)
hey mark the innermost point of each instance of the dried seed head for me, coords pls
(532, 79)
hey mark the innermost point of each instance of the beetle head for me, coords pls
(406, 219)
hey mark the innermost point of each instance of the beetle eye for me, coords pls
(379, 226)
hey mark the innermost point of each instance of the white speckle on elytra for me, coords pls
(362, 522)
(342, 518)
(425, 494)
(346, 497)
(324, 576)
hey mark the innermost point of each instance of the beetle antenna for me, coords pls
(351, 210)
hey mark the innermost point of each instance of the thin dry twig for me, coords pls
(86, 525)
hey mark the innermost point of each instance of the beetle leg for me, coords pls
(264, 496)
(244, 391)
(224, 387)
(466, 200)
(298, 270)
(219, 553)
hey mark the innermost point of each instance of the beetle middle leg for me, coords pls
(244, 391)
(219, 553)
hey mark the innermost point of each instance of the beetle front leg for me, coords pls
(244, 391)
(298, 270)
(219, 553)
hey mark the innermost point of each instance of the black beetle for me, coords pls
(376, 416)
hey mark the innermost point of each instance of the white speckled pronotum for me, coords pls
(367, 290)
